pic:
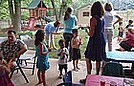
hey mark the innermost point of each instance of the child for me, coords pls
(76, 42)
(129, 24)
(121, 30)
(4, 71)
(42, 54)
(63, 54)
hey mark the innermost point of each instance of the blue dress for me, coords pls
(42, 61)
(95, 49)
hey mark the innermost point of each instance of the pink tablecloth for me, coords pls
(94, 80)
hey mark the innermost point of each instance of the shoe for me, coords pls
(83, 81)
(118, 50)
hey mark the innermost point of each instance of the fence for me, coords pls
(126, 15)
(4, 23)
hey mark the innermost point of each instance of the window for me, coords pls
(86, 14)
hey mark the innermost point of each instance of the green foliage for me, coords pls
(30, 33)
(84, 36)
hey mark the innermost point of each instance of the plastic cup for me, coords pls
(112, 83)
(102, 83)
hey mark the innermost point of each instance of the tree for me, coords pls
(15, 13)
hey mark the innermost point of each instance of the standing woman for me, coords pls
(42, 54)
(109, 26)
(95, 50)
(70, 21)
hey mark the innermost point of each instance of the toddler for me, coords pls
(63, 54)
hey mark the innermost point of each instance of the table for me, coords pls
(121, 56)
(94, 80)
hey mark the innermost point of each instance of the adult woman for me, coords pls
(109, 26)
(70, 21)
(95, 50)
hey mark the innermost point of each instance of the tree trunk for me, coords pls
(63, 6)
(15, 14)
(55, 12)
(10, 4)
(17, 17)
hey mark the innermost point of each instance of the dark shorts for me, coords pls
(126, 46)
(120, 34)
(62, 66)
(76, 54)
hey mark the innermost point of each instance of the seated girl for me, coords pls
(128, 42)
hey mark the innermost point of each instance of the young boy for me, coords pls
(63, 54)
(129, 24)
(76, 42)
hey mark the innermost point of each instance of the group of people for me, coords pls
(126, 36)
(101, 28)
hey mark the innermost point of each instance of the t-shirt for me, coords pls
(70, 23)
(62, 53)
(49, 28)
(109, 17)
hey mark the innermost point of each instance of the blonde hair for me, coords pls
(131, 29)
(108, 6)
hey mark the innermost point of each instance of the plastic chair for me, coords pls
(113, 69)
(68, 84)
(67, 77)
(67, 80)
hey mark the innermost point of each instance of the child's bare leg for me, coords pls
(77, 62)
(74, 65)
(43, 78)
(39, 76)
(98, 67)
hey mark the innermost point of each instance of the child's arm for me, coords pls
(41, 49)
(66, 51)
(59, 52)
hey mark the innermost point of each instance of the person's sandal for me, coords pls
(83, 81)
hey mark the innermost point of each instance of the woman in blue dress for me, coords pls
(95, 50)
(42, 56)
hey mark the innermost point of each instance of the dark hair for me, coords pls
(67, 13)
(97, 9)
(108, 6)
(56, 23)
(120, 22)
(130, 21)
(39, 37)
(11, 31)
(74, 30)
(61, 41)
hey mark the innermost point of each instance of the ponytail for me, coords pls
(67, 13)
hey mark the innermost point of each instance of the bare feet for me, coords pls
(39, 82)
(78, 68)
(74, 70)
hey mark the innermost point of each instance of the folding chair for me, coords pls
(113, 69)
(25, 60)
(18, 67)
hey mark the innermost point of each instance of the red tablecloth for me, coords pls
(94, 80)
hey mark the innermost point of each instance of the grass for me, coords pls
(84, 36)
(82, 33)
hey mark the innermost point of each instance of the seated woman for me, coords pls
(4, 72)
(128, 42)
